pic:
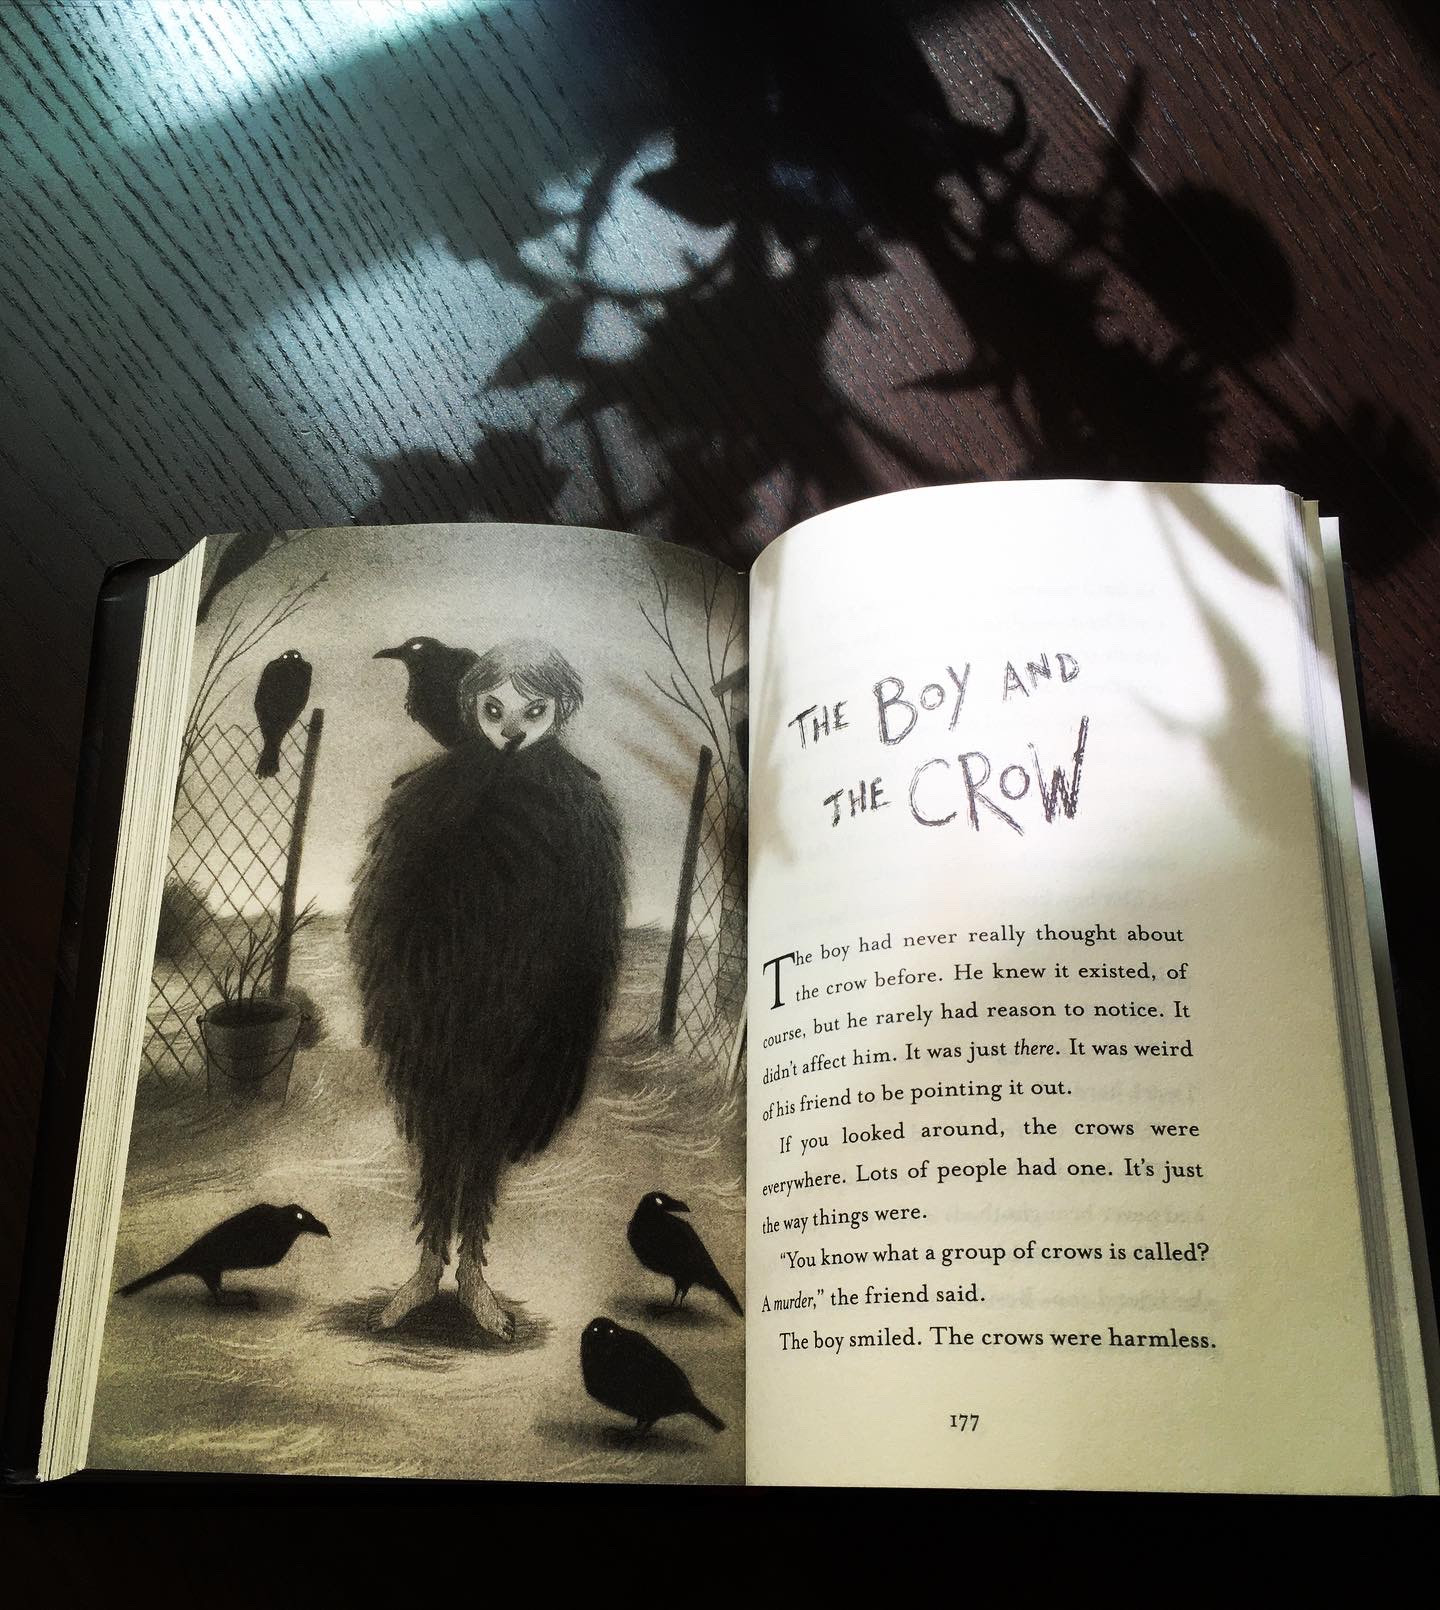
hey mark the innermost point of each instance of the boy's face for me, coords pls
(511, 719)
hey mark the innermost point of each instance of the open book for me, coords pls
(1022, 1110)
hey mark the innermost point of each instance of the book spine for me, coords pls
(100, 787)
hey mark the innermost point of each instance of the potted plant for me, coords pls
(251, 1034)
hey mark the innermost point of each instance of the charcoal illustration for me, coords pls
(486, 933)
(280, 698)
(673, 1248)
(432, 686)
(254, 1026)
(628, 1373)
(257, 1238)
(462, 974)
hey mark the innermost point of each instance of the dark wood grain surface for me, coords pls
(696, 270)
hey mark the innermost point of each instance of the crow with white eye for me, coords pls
(668, 1245)
(433, 672)
(627, 1372)
(485, 934)
(258, 1238)
(281, 695)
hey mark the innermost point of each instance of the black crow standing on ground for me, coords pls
(432, 696)
(673, 1248)
(627, 1372)
(280, 695)
(485, 934)
(258, 1238)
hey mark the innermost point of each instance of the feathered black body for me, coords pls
(485, 933)
(673, 1248)
(627, 1372)
(432, 690)
(281, 695)
(258, 1238)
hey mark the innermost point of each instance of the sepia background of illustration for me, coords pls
(303, 1382)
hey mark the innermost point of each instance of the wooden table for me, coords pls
(697, 270)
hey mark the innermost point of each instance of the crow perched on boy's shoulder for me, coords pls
(432, 693)
(258, 1238)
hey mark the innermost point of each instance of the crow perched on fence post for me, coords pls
(485, 933)
(432, 692)
(280, 696)
(258, 1238)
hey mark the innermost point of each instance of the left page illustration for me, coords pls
(436, 1165)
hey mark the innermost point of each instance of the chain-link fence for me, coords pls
(705, 984)
(235, 846)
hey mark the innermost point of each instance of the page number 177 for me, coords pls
(964, 1422)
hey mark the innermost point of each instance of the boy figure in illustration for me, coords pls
(485, 932)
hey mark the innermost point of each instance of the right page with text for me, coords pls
(1062, 1169)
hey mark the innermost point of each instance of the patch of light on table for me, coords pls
(213, 52)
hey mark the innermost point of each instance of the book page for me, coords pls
(437, 1154)
(1386, 1172)
(1052, 1175)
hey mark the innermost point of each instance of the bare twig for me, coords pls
(720, 640)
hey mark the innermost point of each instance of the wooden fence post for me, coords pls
(280, 971)
(680, 929)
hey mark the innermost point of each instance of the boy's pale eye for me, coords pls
(493, 710)
(535, 711)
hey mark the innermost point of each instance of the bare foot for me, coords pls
(417, 1290)
(482, 1302)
